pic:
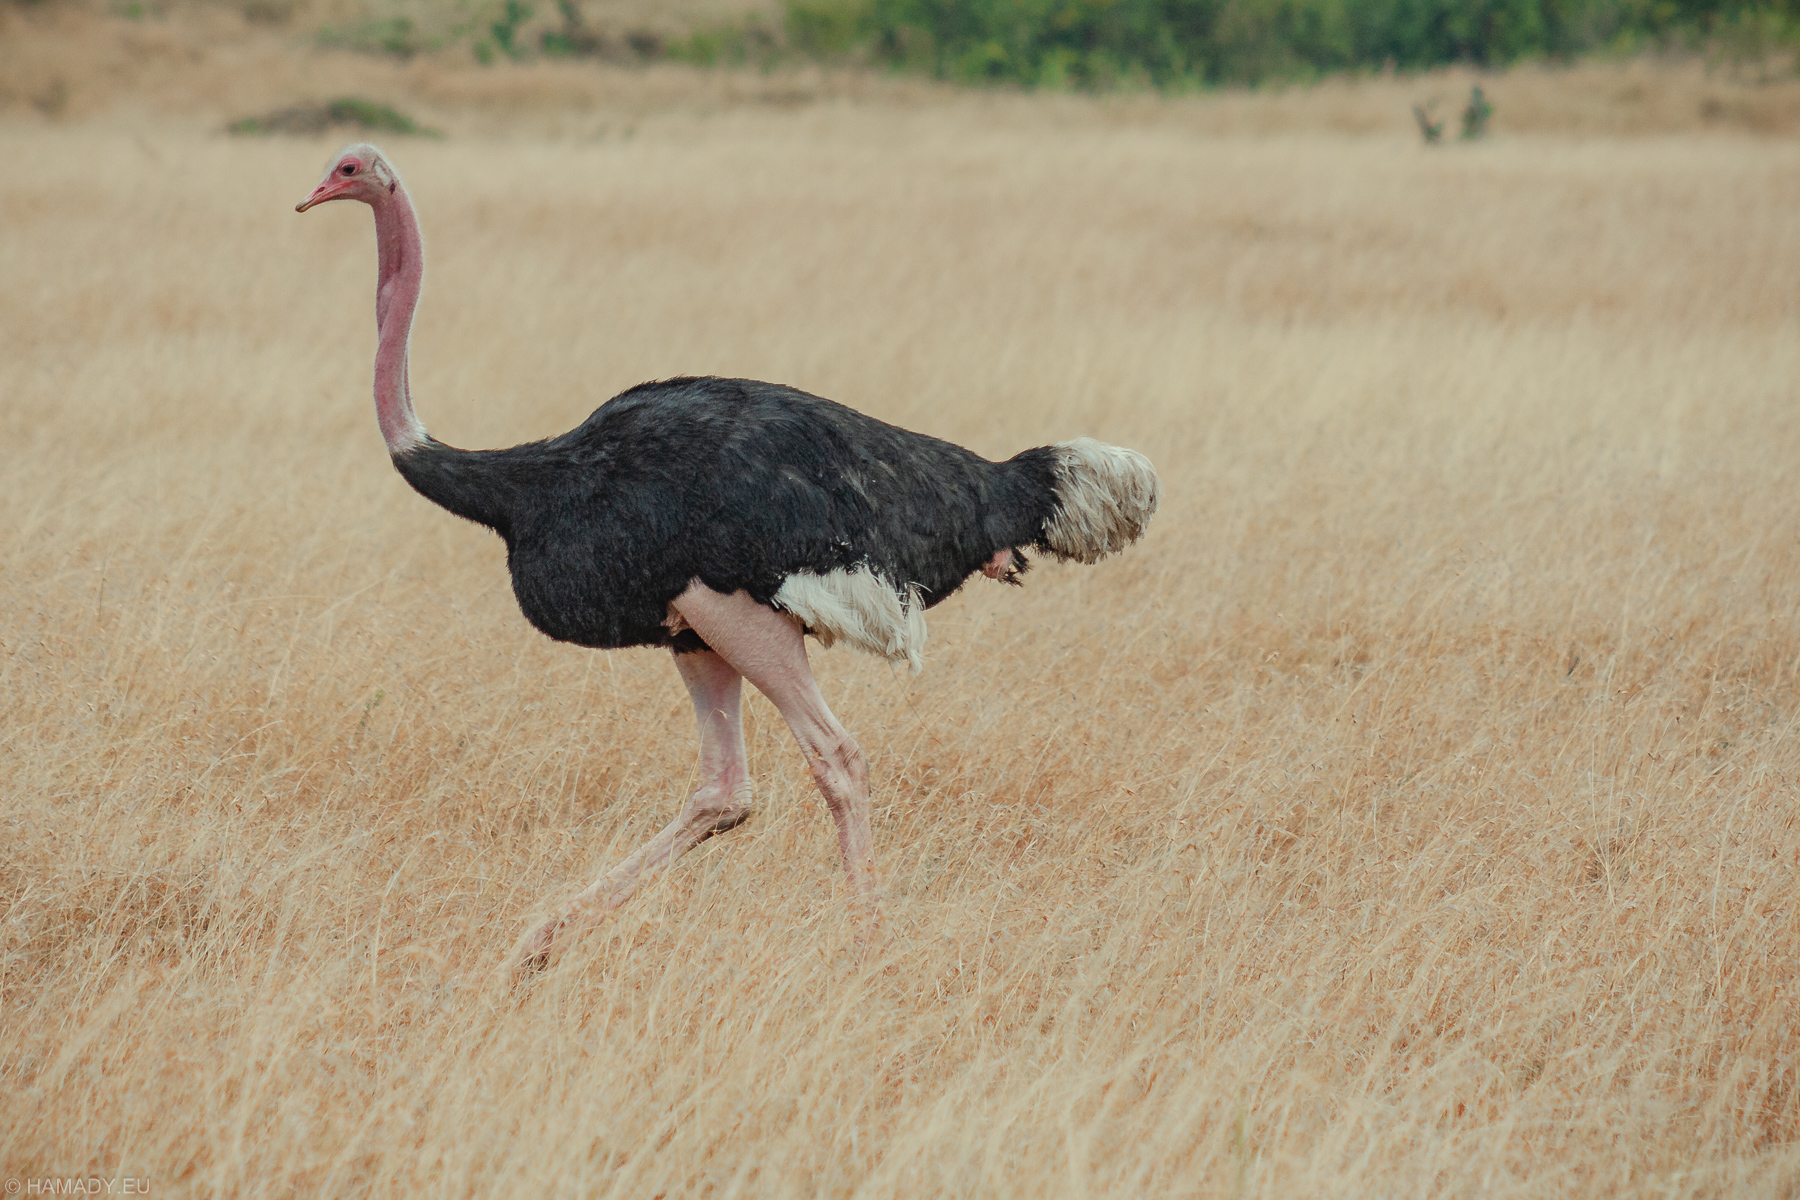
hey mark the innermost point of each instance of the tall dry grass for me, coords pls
(1411, 813)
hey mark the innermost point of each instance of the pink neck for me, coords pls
(402, 272)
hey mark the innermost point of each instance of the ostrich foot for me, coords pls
(699, 821)
(532, 954)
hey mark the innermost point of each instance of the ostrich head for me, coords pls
(358, 172)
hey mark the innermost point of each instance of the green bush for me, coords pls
(825, 28)
(1101, 43)
(726, 45)
(354, 112)
(397, 36)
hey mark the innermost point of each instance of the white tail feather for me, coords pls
(861, 608)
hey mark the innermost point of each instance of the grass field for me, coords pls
(1411, 813)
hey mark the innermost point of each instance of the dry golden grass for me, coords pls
(1413, 812)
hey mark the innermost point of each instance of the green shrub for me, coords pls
(825, 28)
(505, 29)
(354, 112)
(1099, 43)
(726, 45)
(1103, 44)
(397, 36)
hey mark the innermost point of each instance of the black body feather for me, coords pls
(737, 484)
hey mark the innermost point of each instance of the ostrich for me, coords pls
(726, 519)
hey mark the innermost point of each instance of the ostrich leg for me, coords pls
(721, 802)
(767, 648)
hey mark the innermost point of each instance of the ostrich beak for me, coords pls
(331, 189)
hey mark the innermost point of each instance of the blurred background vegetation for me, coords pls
(1186, 43)
(1094, 45)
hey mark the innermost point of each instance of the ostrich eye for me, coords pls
(347, 169)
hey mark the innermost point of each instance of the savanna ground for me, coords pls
(1412, 812)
